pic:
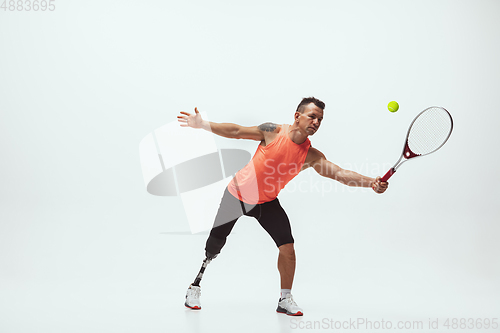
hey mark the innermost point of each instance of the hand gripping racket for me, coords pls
(428, 132)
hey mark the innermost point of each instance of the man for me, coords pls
(284, 151)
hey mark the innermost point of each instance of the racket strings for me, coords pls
(429, 131)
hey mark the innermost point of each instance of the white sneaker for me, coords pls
(193, 297)
(287, 305)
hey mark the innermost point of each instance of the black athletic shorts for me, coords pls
(270, 215)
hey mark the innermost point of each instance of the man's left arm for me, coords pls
(330, 170)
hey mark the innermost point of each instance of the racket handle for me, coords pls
(388, 175)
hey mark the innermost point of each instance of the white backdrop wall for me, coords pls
(84, 246)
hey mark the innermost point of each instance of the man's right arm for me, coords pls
(234, 131)
(227, 130)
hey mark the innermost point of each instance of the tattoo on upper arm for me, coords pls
(268, 127)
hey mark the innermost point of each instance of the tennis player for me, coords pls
(283, 152)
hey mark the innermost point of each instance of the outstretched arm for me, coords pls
(227, 130)
(330, 170)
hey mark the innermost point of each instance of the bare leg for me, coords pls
(286, 265)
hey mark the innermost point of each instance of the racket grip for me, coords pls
(388, 175)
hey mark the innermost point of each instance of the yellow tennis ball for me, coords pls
(393, 106)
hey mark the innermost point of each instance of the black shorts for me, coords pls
(270, 215)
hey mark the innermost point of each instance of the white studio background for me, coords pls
(84, 247)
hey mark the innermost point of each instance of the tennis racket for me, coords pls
(428, 132)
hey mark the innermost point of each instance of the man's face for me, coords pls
(310, 120)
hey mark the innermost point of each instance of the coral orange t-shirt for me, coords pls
(270, 169)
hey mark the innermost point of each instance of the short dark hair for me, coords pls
(308, 100)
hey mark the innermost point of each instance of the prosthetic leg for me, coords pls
(212, 249)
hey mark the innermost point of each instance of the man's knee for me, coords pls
(213, 246)
(287, 250)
